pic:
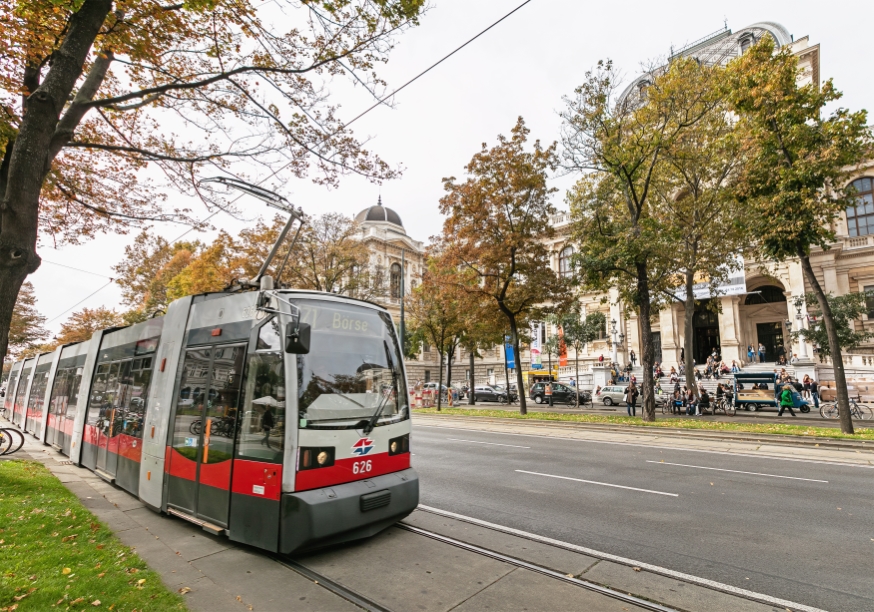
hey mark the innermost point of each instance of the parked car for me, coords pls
(612, 395)
(560, 393)
(488, 393)
(432, 387)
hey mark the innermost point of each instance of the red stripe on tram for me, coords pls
(178, 465)
(257, 479)
(344, 470)
(216, 475)
(130, 447)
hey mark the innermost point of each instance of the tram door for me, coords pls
(111, 417)
(203, 432)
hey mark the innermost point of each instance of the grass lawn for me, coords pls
(55, 554)
(754, 428)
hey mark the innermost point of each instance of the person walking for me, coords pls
(547, 391)
(814, 393)
(761, 353)
(631, 394)
(751, 354)
(633, 358)
(806, 387)
(786, 400)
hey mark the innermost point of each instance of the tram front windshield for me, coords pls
(353, 370)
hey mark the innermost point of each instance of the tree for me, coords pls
(330, 256)
(619, 146)
(580, 329)
(694, 197)
(497, 224)
(150, 263)
(434, 314)
(798, 169)
(82, 324)
(95, 91)
(845, 309)
(27, 330)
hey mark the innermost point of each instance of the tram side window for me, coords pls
(138, 394)
(261, 432)
(74, 378)
(60, 391)
(98, 399)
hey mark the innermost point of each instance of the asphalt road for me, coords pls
(792, 537)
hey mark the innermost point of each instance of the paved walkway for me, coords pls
(398, 569)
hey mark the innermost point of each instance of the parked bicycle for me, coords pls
(11, 441)
(859, 412)
(727, 407)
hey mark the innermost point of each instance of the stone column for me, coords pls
(729, 329)
(670, 337)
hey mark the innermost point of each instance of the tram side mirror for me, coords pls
(297, 337)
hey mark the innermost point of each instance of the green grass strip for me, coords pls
(55, 554)
(754, 428)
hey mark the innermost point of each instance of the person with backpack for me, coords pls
(786, 400)
(631, 395)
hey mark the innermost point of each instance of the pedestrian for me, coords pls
(683, 355)
(547, 391)
(761, 353)
(703, 402)
(751, 354)
(601, 359)
(786, 400)
(267, 423)
(633, 358)
(573, 383)
(814, 393)
(631, 394)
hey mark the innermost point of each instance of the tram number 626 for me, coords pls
(362, 467)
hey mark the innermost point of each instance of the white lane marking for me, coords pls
(701, 467)
(726, 588)
(489, 443)
(595, 482)
(679, 448)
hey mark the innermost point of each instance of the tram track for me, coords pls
(366, 603)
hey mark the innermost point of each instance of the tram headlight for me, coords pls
(399, 445)
(312, 457)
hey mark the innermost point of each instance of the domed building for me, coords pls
(393, 255)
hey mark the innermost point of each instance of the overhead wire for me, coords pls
(80, 301)
(378, 103)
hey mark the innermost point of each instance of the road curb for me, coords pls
(785, 440)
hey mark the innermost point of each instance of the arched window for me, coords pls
(860, 218)
(396, 280)
(769, 294)
(746, 41)
(565, 261)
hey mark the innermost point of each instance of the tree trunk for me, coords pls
(577, 377)
(471, 400)
(28, 158)
(449, 355)
(834, 345)
(644, 311)
(523, 408)
(688, 342)
(439, 380)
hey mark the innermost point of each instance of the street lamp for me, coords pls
(799, 304)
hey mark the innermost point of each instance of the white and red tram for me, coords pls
(279, 418)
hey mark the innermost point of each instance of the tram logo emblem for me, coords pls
(362, 447)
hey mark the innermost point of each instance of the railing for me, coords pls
(861, 241)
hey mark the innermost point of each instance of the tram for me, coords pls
(279, 418)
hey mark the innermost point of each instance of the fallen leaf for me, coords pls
(66, 571)
(95, 526)
(95, 603)
(101, 574)
(711, 484)
(100, 546)
(69, 537)
(184, 590)
(32, 577)
(98, 566)
(132, 570)
(141, 581)
(239, 598)
(59, 602)
(636, 569)
(78, 600)
(19, 597)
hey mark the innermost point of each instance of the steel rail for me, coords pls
(338, 589)
(585, 584)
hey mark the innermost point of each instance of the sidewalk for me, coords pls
(396, 570)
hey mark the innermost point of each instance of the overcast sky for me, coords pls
(522, 67)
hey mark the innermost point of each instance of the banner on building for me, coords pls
(736, 284)
(510, 354)
(562, 348)
(536, 346)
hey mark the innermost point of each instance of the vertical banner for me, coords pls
(562, 348)
(509, 354)
(536, 347)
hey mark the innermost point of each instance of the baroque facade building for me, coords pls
(765, 305)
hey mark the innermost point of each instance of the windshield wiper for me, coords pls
(394, 387)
